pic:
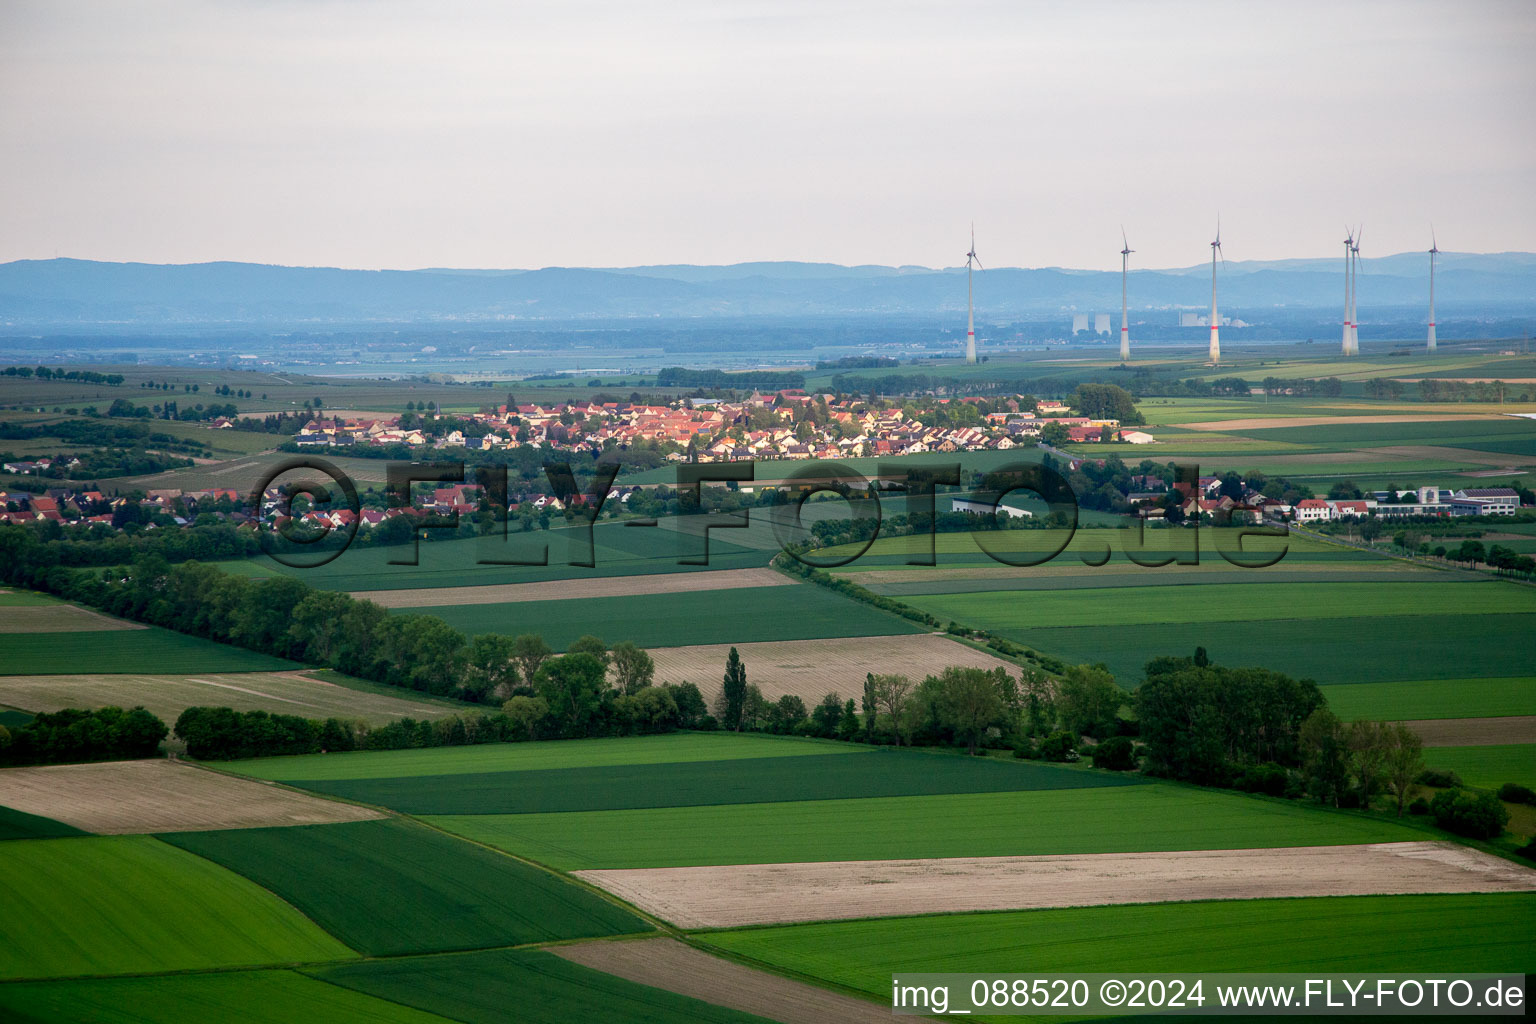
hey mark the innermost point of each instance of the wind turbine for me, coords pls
(970, 304)
(1354, 293)
(1434, 250)
(1349, 284)
(1215, 320)
(1125, 323)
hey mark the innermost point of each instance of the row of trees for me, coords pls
(73, 735)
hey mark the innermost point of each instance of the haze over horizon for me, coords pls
(603, 135)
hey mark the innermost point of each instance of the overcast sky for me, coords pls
(377, 134)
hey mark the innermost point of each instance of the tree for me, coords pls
(848, 721)
(573, 685)
(525, 714)
(1404, 761)
(892, 697)
(825, 715)
(1105, 402)
(590, 644)
(733, 691)
(970, 701)
(691, 709)
(1054, 434)
(530, 651)
(1478, 815)
(492, 666)
(633, 668)
(787, 714)
(1367, 757)
(1089, 701)
(1325, 746)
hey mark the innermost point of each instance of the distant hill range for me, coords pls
(63, 291)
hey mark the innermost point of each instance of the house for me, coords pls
(1312, 510)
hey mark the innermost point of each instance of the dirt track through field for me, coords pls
(742, 894)
(1265, 422)
(59, 618)
(671, 965)
(810, 669)
(129, 797)
(1476, 732)
(567, 590)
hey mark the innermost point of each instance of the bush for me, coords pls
(1528, 851)
(1269, 778)
(1419, 806)
(1516, 794)
(1059, 746)
(1117, 754)
(1476, 815)
(1437, 779)
(1025, 750)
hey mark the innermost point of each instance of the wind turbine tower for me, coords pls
(1434, 250)
(1349, 285)
(1215, 319)
(1125, 323)
(1354, 293)
(970, 303)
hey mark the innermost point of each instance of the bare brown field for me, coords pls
(59, 618)
(568, 590)
(169, 695)
(130, 797)
(810, 669)
(1261, 422)
(671, 965)
(1476, 732)
(743, 894)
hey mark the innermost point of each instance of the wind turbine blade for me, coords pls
(1124, 244)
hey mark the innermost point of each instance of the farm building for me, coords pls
(982, 508)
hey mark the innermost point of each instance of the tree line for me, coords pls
(74, 735)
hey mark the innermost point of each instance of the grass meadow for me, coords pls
(1412, 699)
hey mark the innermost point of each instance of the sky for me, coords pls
(370, 134)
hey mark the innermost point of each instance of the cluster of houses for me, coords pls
(40, 466)
(63, 505)
(720, 431)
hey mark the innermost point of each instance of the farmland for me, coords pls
(131, 904)
(1488, 766)
(1118, 819)
(166, 695)
(145, 651)
(1357, 934)
(882, 773)
(671, 748)
(1435, 698)
(126, 797)
(800, 612)
(338, 875)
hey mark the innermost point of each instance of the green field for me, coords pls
(1348, 650)
(798, 612)
(1434, 698)
(26, 599)
(251, 997)
(388, 887)
(617, 550)
(513, 757)
(881, 772)
(16, 824)
(502, 986)
(132, 904)
(1119, 819)
(1391, 934)
(1343, 436)
(1487, 767)
(126, 650)
(1008, 613)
